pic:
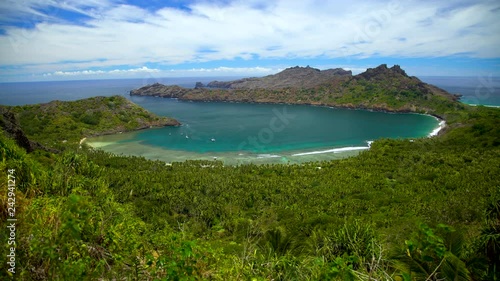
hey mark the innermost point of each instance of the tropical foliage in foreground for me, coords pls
(422, 210)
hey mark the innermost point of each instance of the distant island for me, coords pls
(380, 88)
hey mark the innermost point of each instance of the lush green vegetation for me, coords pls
(56, 122)
(422, 210)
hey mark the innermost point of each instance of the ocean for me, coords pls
(239, 133)
(20, 93)
(481, 90)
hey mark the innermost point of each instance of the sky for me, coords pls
(108, 39)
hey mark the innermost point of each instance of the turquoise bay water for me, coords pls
(261, 133)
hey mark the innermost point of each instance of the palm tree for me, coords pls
(278, 242)
(432, 257)
(489, 242)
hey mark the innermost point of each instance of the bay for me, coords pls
(239, 133)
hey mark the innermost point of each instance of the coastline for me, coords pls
(485, 105)
(119, 131)
(232, 158)
(441, 126)
(124, 145)
(336, 150)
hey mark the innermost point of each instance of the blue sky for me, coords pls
(100, 39)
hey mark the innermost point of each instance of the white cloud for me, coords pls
(143, 69)
(74, 73)
(223, 69)
(121, 35)
(152, 72)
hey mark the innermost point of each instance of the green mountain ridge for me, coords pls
(70, 121)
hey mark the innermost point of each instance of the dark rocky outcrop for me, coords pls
(160, 90)
(12, 129)
(381, 72)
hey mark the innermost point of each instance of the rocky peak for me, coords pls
(337, 72)
(397, 69)
(381, 71)
(299, 69)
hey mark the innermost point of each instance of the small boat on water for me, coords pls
(213, 140)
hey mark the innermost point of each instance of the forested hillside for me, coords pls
(58, 122)
(422, 210)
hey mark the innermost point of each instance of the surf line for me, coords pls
(441, 125)
(336, 150)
